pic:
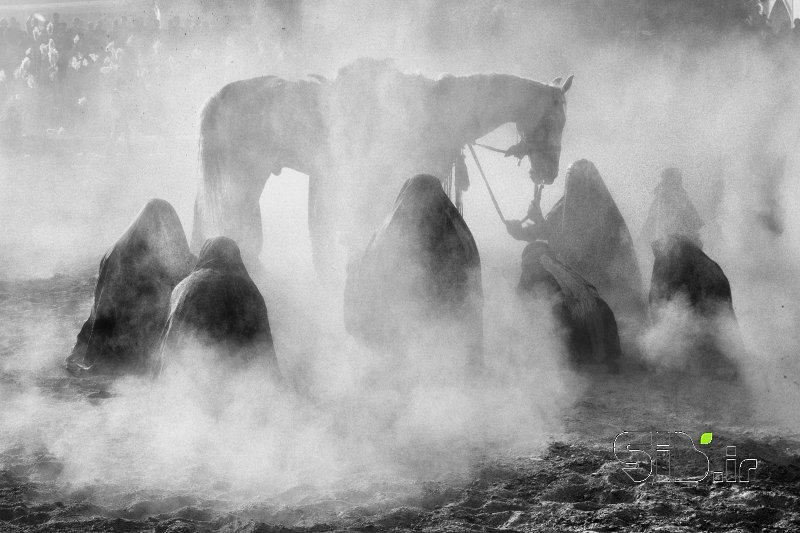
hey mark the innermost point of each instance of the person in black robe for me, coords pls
(419, 277)
(682, 270)
(219, 307)
(587, 232)
(585, 319)
(672, 211)
(131, 299)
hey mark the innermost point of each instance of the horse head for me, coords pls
(541, 128)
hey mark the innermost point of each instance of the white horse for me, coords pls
(358, 138)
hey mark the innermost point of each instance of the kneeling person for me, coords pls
(419, 279)
(685, 276)
(589, 326)
(218, 307)
(131, 299)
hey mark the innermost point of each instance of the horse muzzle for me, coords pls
(543, 169)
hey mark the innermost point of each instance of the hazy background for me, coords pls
(712, 101)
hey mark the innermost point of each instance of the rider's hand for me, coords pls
(514, 228)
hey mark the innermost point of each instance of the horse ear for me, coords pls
(567, 85)
(556, 82)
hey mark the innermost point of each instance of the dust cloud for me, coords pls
(716, 106)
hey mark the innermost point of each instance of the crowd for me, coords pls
(90, 77)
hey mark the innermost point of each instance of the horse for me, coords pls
(254, 128)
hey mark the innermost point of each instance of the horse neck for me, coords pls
(475, 105)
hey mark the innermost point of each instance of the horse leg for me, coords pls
(235, 161)
(243, 222)
(321, 227)
(231, 210)
(200, 221)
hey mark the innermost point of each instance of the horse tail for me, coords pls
(212, 151)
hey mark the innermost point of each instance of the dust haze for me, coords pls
(714, 108)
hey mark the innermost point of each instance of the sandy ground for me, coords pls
(568, 480)
(574, 483)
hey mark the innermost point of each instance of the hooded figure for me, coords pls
(586, 231)
(682, 270)
(589, 326)
(219, 306)
(131, 299)
(672, 212)
(419, 275)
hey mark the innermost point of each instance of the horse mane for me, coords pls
(368, 66)
(489, 76)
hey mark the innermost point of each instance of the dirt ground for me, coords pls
(571, 483)
(70, 460)
(567, 479)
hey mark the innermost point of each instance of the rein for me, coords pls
(516, 151)
(507, 152)
(539, 186)
(492, 148)
(486, 181)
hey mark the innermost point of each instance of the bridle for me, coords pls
(526, 146)
(523, 148)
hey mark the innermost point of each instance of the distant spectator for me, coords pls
(59, 27)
